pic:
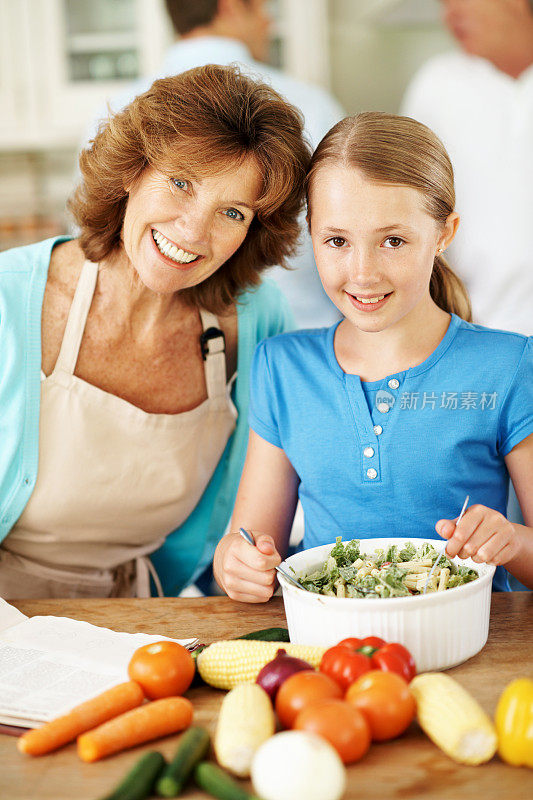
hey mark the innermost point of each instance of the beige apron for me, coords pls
(113, 480)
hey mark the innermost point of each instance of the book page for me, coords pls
(9, 615)
(50, 664)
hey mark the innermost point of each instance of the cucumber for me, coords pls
(139, 781)
(268, 635)
(192, 748)
(218, 783)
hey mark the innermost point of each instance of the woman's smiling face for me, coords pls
(178, 230)
(374, 245)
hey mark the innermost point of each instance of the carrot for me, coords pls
(81, 718)
(155, 719)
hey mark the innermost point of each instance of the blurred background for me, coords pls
(61, 59)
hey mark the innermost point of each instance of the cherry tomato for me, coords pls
(162, 669)
(340, 723)
(344, 665)
(300, 690)
(386, 702)
(394, 657)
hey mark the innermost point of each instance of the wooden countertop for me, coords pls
(409, 768)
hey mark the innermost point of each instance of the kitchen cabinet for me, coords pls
(60, 59)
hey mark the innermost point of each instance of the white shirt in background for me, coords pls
(485, 119)
(301, 284)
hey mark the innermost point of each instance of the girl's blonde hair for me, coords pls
(392, 149)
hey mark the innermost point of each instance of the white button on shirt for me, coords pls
(394, 383)
(378, 430)
(371, 473)
(368, 452)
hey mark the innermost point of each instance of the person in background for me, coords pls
(126, 352)
(384, 422)
(480, 103)
(237, 31)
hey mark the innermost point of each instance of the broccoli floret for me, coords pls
(407, 553)
(427, 550)
(338, 553)
(351, 550)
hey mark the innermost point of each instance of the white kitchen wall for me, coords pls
(376, 46)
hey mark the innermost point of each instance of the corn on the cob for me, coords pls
(246, 720)
(225, 664)
(453, 719)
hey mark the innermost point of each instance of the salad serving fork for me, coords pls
(250, 539)
(443, 551)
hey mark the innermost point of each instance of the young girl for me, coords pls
(383, 423)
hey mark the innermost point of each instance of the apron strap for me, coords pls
(145, 568)
(214, 354)
(77, 317)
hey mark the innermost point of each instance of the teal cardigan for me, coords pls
(261, 312)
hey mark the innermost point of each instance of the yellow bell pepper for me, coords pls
(514, 723)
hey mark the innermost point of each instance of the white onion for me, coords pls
(296, 765)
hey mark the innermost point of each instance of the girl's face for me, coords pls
(374, 246)
(178, 230)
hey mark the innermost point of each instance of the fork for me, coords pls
(443, 551)
(250, 539)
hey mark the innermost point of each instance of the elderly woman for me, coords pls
(125, 353)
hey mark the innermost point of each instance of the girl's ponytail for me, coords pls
(448, 291)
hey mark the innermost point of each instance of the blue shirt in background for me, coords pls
(392, 457)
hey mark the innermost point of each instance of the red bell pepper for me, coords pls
(351, 657)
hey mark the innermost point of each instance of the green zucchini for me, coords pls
(218, 783)
(193, 746)
(139, 781)
(268, 635)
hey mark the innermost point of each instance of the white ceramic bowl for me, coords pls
(440, 629)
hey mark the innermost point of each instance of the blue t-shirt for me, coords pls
(392, 457)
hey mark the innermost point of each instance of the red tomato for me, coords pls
(300, 690)
(162, 669)
(394, 657)
(340, 723)
(386, 702)
(344, 665)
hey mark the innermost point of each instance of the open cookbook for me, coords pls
(50, 664)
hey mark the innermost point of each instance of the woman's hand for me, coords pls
(483, 534)
(246, 573)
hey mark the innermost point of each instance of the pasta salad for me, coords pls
(398, 571)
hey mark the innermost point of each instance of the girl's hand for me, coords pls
(246, 573)
(483, 534)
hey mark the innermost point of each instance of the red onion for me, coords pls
(278, 670)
